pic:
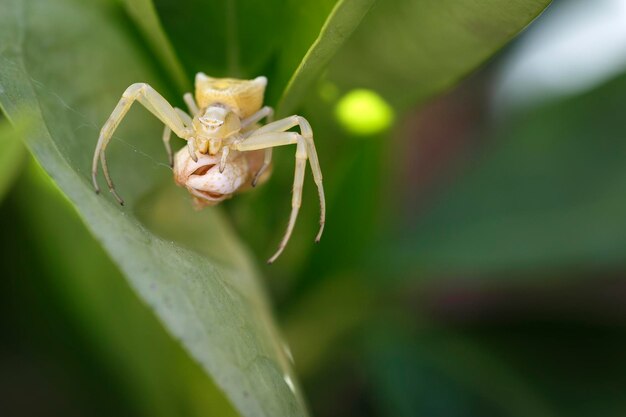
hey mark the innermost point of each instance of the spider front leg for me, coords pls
(272, 135)
(152, 101)
(191, 104)
(264, 112)
(167, 134)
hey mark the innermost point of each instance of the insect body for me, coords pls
(227, 151)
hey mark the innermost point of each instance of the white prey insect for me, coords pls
(227, 151)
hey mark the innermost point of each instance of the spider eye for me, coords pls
(211, 122)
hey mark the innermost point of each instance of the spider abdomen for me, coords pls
(205, 181)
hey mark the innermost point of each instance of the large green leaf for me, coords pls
(11, 155)
(151, 368)
(550, 194)
(409, 50)
(65, 64)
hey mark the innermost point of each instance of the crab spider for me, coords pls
(227, 151)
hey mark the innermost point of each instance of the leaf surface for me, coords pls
(341, 22)
(144, 14)
(11, 156)
(409, 50)
(150, 368)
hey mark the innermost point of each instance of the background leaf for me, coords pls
(341, 22)
(415, 49)
(11, 155)
(221, 38)
(144, 14)
(406, 51)
(413, 367)
(547, 193)
(215, 307)
(248, 38)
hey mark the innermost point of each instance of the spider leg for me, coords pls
(191, 147)
(224, 158)
(267, 160)
(273, 139)
(265, 111)
(191, 104)
(167, 134)
(250, 121)
(105, 171)
(307, 134)
(155, 103)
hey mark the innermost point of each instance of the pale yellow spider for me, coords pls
(227, 151)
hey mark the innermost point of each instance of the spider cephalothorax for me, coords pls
(227, 151)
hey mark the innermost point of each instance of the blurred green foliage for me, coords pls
(547, 192)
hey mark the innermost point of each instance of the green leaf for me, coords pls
(430, 371)
(150, 368)
(144, 14)
(550, 194)
(65, 64)
(289, 42)
(226, 38)
(409, 50)
(11, 156)
(342, 21)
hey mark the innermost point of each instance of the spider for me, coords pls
(227, 150)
